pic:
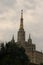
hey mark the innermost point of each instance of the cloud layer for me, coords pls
(33, 19)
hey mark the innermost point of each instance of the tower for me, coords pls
(30, 40)
(31, 46)
(21, 32)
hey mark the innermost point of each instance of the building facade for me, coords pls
(34, 56)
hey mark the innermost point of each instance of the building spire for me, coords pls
(30, 40)
(21, 32)
(29, 36)
(13, 39)
(21, 20)
(21, 13)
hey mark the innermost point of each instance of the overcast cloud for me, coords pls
(33, 20)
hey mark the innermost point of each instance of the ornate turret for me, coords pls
(21, 32)
(30, 40)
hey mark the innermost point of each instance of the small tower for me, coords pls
(21, 32)
(30, 40)
(31, 45)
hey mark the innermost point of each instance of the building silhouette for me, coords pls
(34, 55)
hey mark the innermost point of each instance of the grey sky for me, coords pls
(33, 20)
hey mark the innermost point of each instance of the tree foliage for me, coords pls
(12, 54)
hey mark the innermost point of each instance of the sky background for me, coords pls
(10, 11)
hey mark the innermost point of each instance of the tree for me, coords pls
(13, 55)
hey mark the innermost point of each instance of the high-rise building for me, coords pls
(30, 48)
